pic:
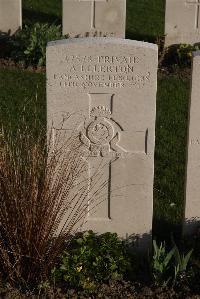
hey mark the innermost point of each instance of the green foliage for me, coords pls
(167, 266)
(30, 43)
(161, 263)
(92, 259)
(184, 53)
(181, 261)
(181, 54)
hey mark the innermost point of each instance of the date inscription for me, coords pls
(100, 72)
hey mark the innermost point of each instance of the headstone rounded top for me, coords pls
(103, 40)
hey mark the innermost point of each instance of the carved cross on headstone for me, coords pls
(106, 142)
(93, 11)
(197, 4)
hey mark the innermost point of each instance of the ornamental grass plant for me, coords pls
(44, 194)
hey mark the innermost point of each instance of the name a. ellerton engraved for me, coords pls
(100, 69)
(108, 68)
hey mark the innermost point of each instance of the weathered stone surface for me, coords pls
(109, 86)
(82, 18)
(192, 200)
(10, 16)
(182, 22)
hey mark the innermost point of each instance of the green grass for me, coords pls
(18, 88)
(22, 95)
(145, 18)
(43, 11)
(170, 155)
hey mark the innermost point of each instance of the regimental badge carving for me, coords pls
(101, 134)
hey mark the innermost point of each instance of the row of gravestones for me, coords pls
(80, 17)
(109, 87)
(108, 18)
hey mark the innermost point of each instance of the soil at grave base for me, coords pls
(10, 64)
(125, 290)
(113, 290)
(182, 73)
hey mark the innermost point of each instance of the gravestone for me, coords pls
(83, 18)
(192, 198)
(10, 16)
(109, 86)
(182, 22)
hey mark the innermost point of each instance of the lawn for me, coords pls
(145, 21)
(171, 140)
(42, 11)
(22, 95)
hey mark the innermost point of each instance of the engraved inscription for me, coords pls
(195, 141)
(96, 33)
(197, 17)
(101, 71)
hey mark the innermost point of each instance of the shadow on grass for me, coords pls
(188, 231)
(5, 38)
(31, 16)
(164, 230)
(140, 37)
(170, 155)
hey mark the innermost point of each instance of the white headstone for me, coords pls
(192, 200)
(10, 16)
(82, 18)
(182, 22)
(109, 86)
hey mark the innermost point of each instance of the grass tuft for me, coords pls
(43, 201)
